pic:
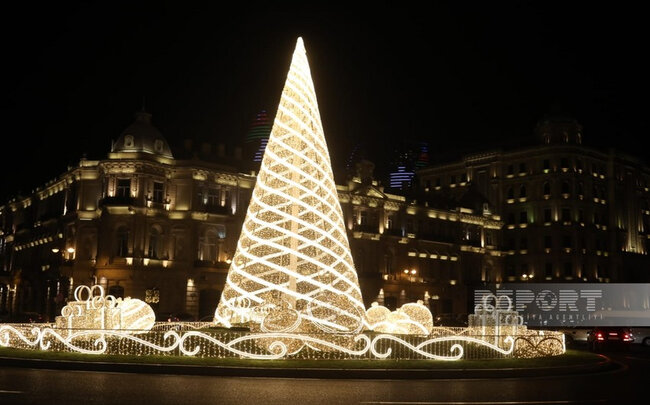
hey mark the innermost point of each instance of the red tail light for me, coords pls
(628, 337)
(599, 336)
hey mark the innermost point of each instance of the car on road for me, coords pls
(575, 336)
(641, 335)
(609, 338)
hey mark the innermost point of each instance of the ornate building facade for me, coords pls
(146, 224)
(571, 212)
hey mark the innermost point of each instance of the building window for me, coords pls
(546, 164)
(564, 163)
(568, 270)
(511, 244)
(452, 180)
(579, 189)
(565, 187)
(463, 178)
(522, 191)
(158, 145)
(208, 246)
(548, 242)
(225, 197)
(213, 199)
(523, 217)
(158, 191)
(128, 141)
(548, 270)
(566, 215)
(547, 188)
(579, 165)
(566, 242)
(511, 218)
(511, 193)
(123, 188)
(547, 215)
(523, 243)
(511, 169)
(524, 269)
(155, 243)
(522, 167)
(510, 270)
(122, 242)
(581, 216)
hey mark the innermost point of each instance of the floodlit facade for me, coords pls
(139, 223)
(571, 212)
(163, 227)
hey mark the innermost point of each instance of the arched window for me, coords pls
(511, 193)
(565, 187)
(122, 241)
(547, 188)
(522, 191)
(155, 242)
(208, 245)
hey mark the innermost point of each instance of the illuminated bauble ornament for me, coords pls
(136, 315)
(410, 319)
(376, 314)
(422, 320)
(293, 242)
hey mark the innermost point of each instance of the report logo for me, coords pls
(574, 304)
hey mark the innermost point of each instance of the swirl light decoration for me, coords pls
(292, 271)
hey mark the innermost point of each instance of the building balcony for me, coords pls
(216, 209)
(117, 201)
(366, 228)
(393, 232)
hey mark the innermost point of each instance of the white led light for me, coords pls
(293, 263)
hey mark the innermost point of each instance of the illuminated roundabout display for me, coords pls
(292, 289)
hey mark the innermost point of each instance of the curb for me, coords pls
(325, 373)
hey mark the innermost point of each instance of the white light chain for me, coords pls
(383, 346)
(293, 246)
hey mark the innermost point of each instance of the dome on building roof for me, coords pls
(142, 136)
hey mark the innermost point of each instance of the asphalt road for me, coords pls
(49, 387)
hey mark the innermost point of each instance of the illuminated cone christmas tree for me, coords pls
(293, 270)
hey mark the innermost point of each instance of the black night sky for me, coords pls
(463, 77)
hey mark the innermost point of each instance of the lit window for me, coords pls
(128, 141)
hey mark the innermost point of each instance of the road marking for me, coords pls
(589, 401)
